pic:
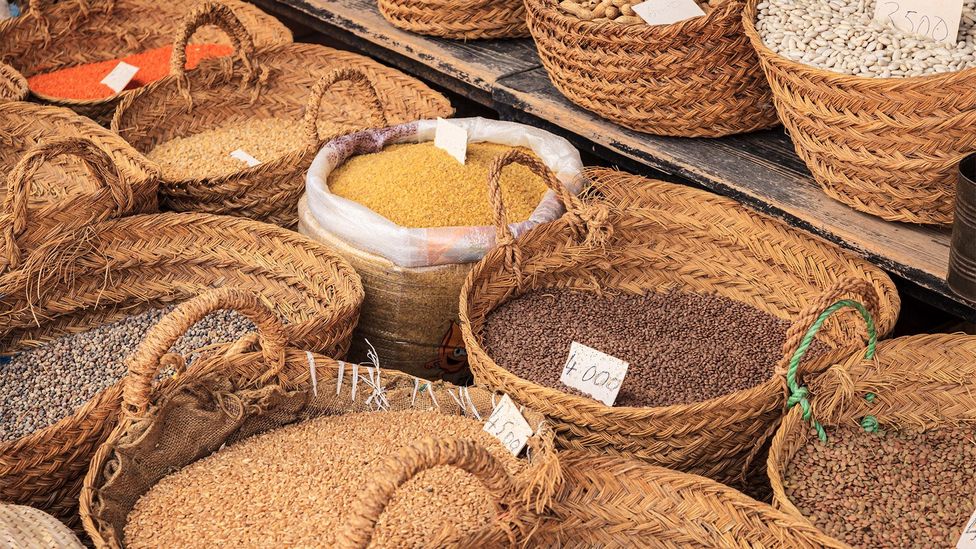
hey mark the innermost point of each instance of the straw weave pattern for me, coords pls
(464, 19)
(13, 86)
(26, 527)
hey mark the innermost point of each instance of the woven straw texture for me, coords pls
(696, 78)
(885, 146)
(124, 266)
(464, 19)
(920, 382)
(57, 35)
(164, 430)
(609, 501)
(651, 235)
(63, 171)
(326, 91)
(13, 86)
(24, 527)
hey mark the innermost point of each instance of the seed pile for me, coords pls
(85, 81)
(890, 489)
(842, 36)
(681, 347)
(207, 154)
(618, 11)
(44, 384)
(294, 487)
(419, 185)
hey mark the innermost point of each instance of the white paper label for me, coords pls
(667, 12)
(594, 373)
(246, 158)
(120, 76)
(936, 19)
(451, 138)
(968, 538)
(507, 425)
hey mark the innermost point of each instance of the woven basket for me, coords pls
(696, 78)
(125, 266)
(464, 20)
(13, 86)
(325, 91)
(56, 35)
(660, 236)
(28, 528)
(922, 382)
(885, 146)
(274, 388)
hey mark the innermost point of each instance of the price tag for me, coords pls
(968, 538)
(666, 12)
(245, 158)
(451, 138)
(120, 76)
(596, 374)
(507, 425)
(936, 19)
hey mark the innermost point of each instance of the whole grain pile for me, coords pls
(44, 384)
(293, 487)
(889, 489)
(207, 154)
(842, 36)
(618, 11)
(419, 185)
(682, 347)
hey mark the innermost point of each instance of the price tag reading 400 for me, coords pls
(596, 374)
(968, 538)
(936, 19)
(507, 425)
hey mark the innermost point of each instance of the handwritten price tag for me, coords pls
(507, 425)
(968, 538)
(451, 138)
(667, 12)
(245, 158)
(594, 373)
(120, 76)
(936, 19)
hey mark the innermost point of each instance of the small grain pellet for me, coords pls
(419, 185)
(904, 489)
(44, 384)
(207, 154)
(618, 11)
(293, 487)
(682, 347)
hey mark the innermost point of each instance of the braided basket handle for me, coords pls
(101, 166)
(413, 460)
(221, 16)
(314, 105)
(144, 364)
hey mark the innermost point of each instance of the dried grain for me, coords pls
(618, 11)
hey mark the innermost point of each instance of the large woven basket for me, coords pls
(696, 78)
(325, 91)
(125, 266)
(650, 235)
(13, 86)
(56, 35)
(922, 382)
(29, 528)
(885, 146)
(165, 430)
(465, 19)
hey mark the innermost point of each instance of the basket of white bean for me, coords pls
(881, 115)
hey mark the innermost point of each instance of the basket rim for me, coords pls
(640, 32)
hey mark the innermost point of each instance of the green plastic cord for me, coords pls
(799, 393)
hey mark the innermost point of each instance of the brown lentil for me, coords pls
(888, 489)
(682, 347)
(293, 487)
(44, 384)
(419, 185)
(207, 154)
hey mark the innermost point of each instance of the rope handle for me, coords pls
(314, 105)
(146, 362)
(466, 455)
(221, 16)
(100, 165)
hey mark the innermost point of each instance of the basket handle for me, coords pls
(415, 459)
(314, 105)
(99, 163)
(144, 364)
(221, 16)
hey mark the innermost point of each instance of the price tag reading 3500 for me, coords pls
(596, 374)
(507, 425)
(936, 19)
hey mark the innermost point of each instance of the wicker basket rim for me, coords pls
(640, 31)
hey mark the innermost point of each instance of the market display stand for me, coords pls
(758, 169)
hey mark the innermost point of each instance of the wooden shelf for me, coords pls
(759, 169)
